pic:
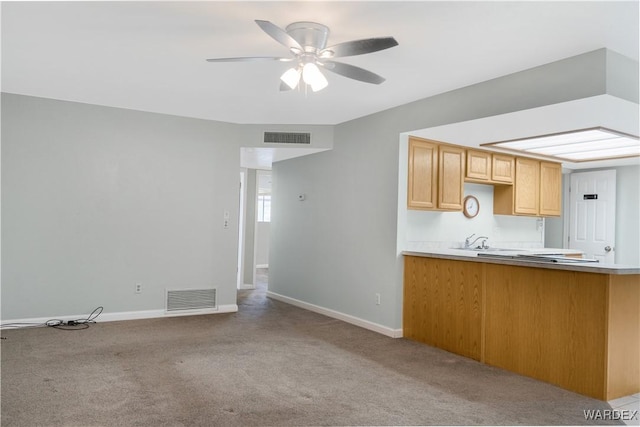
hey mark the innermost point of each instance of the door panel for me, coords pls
(593, 213)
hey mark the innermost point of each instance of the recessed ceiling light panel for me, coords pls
(576, 146)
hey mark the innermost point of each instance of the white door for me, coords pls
(592, 217)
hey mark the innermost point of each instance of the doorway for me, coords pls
(592, 214)
(262, 227)
(255, 224)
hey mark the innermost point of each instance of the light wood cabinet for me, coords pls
(502, 168)
(536, 190)
(527, 187)
(522, 186)
(435, 179)
(550, 189)
(489, 168)
(442, 302)
(478, 165)
(578, 330)
(450, 177)
(422, 191)
(573, 329)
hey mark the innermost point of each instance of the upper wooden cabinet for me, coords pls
(522, 185)
(527, 187)
(489, 168)
(479, 165)
(450, 177)
(422, 190)
(550, 189)
(536, 190)
(435, 180)
(502, 168)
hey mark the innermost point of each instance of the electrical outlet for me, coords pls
(138, 288)
(377, 299)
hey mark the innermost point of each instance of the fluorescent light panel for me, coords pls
(580, 146)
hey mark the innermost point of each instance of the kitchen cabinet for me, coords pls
(550, 189)
(450, 177)
(484, 167)
(522, 186)
(422, 190)
(578, 330)
(478, 166)
(442, 301)
(502, 168)
(527, 187)
(435, 178)
(536, 190)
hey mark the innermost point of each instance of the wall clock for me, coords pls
(470, 206)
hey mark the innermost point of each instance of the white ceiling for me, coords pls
(150, 56)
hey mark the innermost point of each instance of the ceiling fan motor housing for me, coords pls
(311, 35)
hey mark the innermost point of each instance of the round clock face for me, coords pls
(471, 207)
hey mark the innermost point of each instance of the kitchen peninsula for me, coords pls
(570, 323)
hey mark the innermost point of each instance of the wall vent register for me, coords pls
(287, 138)
(181, 300)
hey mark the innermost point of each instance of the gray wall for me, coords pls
(250, 226)
(263, 232)
(554, 235)
(628, 215)
(338, 248)
(95, 199)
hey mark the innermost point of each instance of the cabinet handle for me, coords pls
(608, 248)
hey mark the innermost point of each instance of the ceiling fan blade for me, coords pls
(352, 72)
(358, 47)
(279, 35)
(250, 58)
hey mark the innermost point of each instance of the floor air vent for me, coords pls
(191, 300)
(287, 138)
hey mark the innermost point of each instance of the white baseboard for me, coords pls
(262, 265)
(124, 315)
(393, 333)
(247, 286)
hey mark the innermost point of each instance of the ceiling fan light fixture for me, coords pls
(307, 42)
(291, 77)
(312, 76)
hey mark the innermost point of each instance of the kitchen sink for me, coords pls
(486, 249)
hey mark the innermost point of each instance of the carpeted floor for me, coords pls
(268, 364)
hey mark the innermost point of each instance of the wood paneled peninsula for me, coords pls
(572, 324)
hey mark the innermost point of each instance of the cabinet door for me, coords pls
(478, 165)
(527, 186)
(450, 177)
(550, 189)
(422, 181)
(502, 168)
(443, 304)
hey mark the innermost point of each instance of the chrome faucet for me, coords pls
(468, 243)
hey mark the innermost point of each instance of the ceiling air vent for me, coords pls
(287, 138)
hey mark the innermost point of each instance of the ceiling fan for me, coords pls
(307, 42)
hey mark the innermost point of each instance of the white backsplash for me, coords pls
(442, 230)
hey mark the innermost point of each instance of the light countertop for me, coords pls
(528, 258)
